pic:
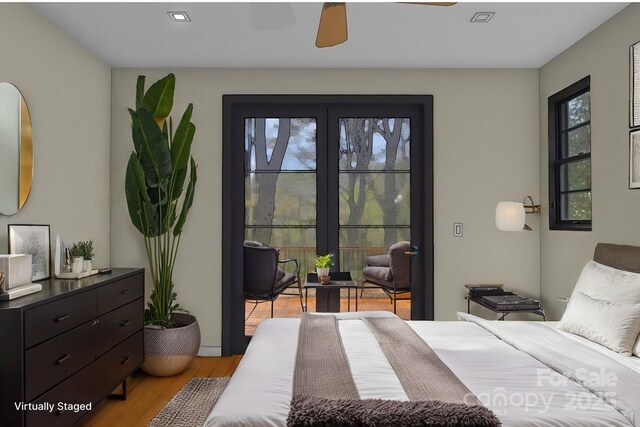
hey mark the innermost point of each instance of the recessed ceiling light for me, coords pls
(482, 17)
(179, 16)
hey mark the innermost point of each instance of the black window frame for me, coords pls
(556, 103)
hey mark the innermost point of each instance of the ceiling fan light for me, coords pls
(333, 25)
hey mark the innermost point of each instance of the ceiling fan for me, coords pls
(333, 22)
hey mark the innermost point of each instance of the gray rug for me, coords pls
(192, 405)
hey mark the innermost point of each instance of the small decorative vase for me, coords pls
(87, 267)
(322, 272)
(77, 264)
(324, 280)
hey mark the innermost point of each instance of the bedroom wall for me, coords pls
(486, 150)
(603, 54)
(68, 91)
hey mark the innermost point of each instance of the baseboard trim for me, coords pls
(210, 351)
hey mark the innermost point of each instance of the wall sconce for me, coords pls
(510, 216)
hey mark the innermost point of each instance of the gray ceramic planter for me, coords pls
(170, 351)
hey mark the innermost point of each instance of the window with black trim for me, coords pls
(570, 158)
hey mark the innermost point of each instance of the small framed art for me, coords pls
(634, 85)
(34, 240)
(634, 159)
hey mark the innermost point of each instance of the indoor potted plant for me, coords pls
(77, 259)
(86, 248)
(323, 265)
(158, 208)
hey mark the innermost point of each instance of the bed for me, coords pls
(526, 373)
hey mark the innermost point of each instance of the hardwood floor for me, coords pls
(147, 395)
(289, 306)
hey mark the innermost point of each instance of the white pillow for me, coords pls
(613, 325)
(610, 284)
(636, 348)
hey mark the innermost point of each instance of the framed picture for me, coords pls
(634, 85)
(634, 159)
(34, 240)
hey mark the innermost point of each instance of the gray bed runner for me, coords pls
(421, 372)
(324, 393)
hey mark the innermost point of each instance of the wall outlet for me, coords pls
(457, 229)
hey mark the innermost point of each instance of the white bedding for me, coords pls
(520, 390)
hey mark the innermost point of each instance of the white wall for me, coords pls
(68, 92)
(603, 54)
(486, 150)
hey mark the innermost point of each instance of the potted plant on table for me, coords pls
(158, 208)
(323, 265)
(77, 259)
(86, 248)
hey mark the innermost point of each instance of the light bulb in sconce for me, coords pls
(510, 216)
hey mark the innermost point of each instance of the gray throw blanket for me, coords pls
(324, 393)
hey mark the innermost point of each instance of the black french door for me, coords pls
(309, 174)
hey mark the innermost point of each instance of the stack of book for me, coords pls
(481, 290)
(510, 302)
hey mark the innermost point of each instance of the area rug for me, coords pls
(192, 405)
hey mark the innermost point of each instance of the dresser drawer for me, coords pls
(49, 320)
(80, 389)
(51, 362)
(119, 362)
(120, 293)
(117, 325)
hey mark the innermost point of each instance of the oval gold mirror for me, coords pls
(16, 150)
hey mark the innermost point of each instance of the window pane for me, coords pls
(280, 144)
(577, 141)
(575, 175)
(358, 243)
(375, 198)
(374, 143)
(579, 109)
(576, 206)
(280, 198)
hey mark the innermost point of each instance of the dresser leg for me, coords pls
(122, 396)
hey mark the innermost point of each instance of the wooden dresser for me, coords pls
(72, 343)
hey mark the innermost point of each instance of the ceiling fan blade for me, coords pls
(333, 25)
(436, 3)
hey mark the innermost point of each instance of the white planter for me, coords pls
(87, 265)
(77, 264)
(322, 272)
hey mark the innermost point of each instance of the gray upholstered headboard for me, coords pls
(622, 257)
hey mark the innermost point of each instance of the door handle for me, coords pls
(413, 252)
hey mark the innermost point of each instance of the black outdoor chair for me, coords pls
(391, 272)
(264, 280)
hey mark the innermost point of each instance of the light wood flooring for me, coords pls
(147, 395)
(289, 306)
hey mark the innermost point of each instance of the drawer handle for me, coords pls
(126, 291)
(59, 412)
(125, 361)
(125, 323)
(62, 359)
(61, 318)
(95, 322)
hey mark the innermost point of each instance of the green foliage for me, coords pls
(154, 186)
(324, 261)
(85, 249)
(76, 250)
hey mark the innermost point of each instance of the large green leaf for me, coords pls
(181, 144)
(132, 193)
(179, 176)
(188, 200)
(152, 147)
(159, 98)
(139, 91)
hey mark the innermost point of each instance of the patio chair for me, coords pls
(391, 272)
(264, 280)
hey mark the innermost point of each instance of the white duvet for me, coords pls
(518, 388)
